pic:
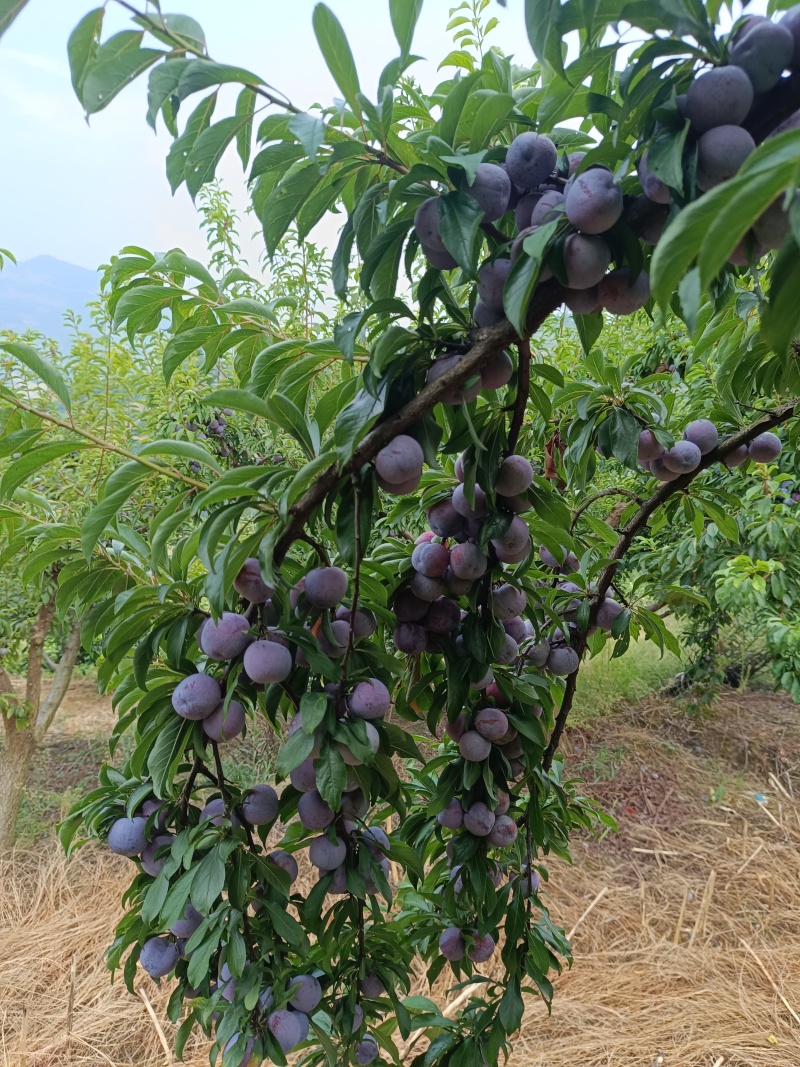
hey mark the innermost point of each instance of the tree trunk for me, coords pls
(15, 761)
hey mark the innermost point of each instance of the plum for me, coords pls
(514, 545)
(594, 201)
(504, 832)
(736, 457)
(185, 927)
(717, 97)
(444, 519)
(408, 607)
(498, 372)
(260, 805)
(491, 189)
(327, 855)
(538, 654)
(455, 730)
(366, 1050)
(336, 648)
(649, 447)
(425, 588)
(574, 160)
(473, 747)
(453, 815)
(491, 279)
(451, 944)
(531, 159)
(621, 296)
(703, 433)
(399, 488)
(364, 625)
(454, 394)
(507, 601)
(654, 189)
(226, 638)
(791, 22)
(586, 260)
(225, 723)
(127, 837)
(508, 651)
(765, 448)
(307, 993)
(583, 301)
(354, 804)
(304, 1023)
(153, 863)
(463, 506)
(443, 616)
(562, 661)
(400, 460)
(524, 210)
(426, 225)
(285, 1028)
(430, 559)
(493, 692)
(659, 470)
(286, 861)
(483, 316)
(457, 586)
(548, 207)
(608, 612)
(325, 587)
(369, 700)
(313, 812)
(763, 50)
(249, 584)
(410, 638)
(244, 1056)
(478, 820)
(515, 477)
(530, 881)
(197, 696)
(772, 227)
(267, 662)
(159, 956)
(720, 153)
(517, 628)
(214, 812)
(371, 986)
(684, 456)
(483, 949)
(491, 723)
(439, 258)
(503, 803)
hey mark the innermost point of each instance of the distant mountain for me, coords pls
(35, 294)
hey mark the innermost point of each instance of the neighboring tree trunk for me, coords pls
(22, 736)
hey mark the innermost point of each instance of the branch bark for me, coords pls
(523, 392)
(41, 628)
(60, 683)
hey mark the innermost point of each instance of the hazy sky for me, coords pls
(80, 192)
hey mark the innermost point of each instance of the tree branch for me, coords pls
(599, 496)
(523, 392)
(41, 627)
(60, 682)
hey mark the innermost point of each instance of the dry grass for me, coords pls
(644, 984)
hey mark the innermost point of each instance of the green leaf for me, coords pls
(524, 275)
(240, 400)
(781, 321)
(331, 775)
(82, 45)
(287, 927)
(460, 218)
(544, 33)
(166, 753)
(336, 52)
(489, 119)
(209, 149)
(209, 880)
(285, 201)
(313, 707)
(245, 109)
(293, 752)
(116, 64)
(175, 30)
(589, 328)
(34, 460)
(181, 345)
(161, 85)
(404, 15)
(665, 157)
(41, 367)
(309, 131)
(353, 422)
(142, 307)
(203, 73)
(182, 146)
(118, 488)
(184, 449)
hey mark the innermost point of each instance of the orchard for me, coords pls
(408, 596)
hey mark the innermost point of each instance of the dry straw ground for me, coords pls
(687, 924)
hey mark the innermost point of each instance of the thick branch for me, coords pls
(41, 628)
(523, 392)
(635, 526)
(60, 683)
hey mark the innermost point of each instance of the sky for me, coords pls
(80, 191)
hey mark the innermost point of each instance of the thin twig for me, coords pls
(523, 392)
(769, 978)
(161, 1035)
(591, 907)
(599, 496)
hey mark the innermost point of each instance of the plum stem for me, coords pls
(226, 800)
(523, 392)
(351, 637)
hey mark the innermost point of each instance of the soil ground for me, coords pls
(686, 923)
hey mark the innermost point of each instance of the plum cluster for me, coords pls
(700, 437)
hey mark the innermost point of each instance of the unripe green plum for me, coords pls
(763, 50)
(249, 584)
(325, 587)
(313, 811)
(491, 189)
(463, 506)
(408, 607)
(515, 477)
(430, 559)
(586, 260)
(483, 949)
(190, 922)
(717, 97)
(400, 461)
(583, 301)
(703, 433)
(491, 280)
(426, 225)
(327, 855)
(365, 623)
(530, 160)
(410, 638)
(468, 562)
(765, 448)
(720, 153)
(286, 861)
(548, 207)
(649, 447)
(515, 544)
(127, 837)
(491, 723)
(736, 457)
(267, 662)
(563, 661)
(260, 805)
(594, 201)
(498, 372)
(453, 815)
(444, 519)
(473, 747)
(159, 956)
(608, 612)
(306, 993)
(285, 1028)
(155, 854)
(504, 832)
(224, 724)
(196, 696)
(682, 457)
(621, 296)
(225, 638)
(425, 588)
(455, 394)
(507, 601)
(369, 700)
(451, 944)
